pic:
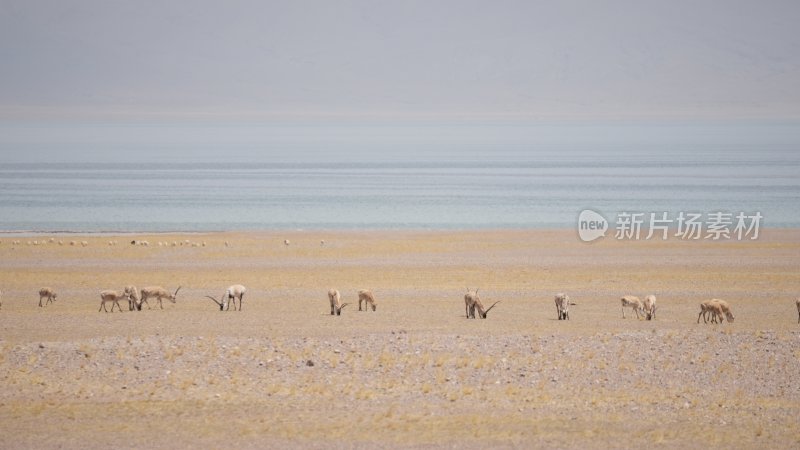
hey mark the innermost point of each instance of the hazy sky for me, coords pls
(417, 60)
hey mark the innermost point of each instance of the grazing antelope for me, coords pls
(472, 302)
(159, 293)
(711, 307)
(47, 293)
(111, 296)
(632, 302)
(336, 304)
(134, 300)
(705, 309)
(562, 306)
(469, 299)
(716, 308)
(365, 295)
(286, 242)
(650, 307)
(726, 309)
(231, 294)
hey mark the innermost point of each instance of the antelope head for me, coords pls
(651, 313)
(221, 304)
(484, 313)
(175, 295)
(340, 308)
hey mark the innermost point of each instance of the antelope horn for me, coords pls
(215, 300)
(343, 305)
(176, 291)
(476, 291)
(490, 308)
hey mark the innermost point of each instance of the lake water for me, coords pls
(53, 178)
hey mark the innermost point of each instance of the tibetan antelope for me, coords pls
(562, 306)
(113, 297)
(649, 307)
(632, 302)
(47, 293)
(335, 300)
(366, 296)
(233, 292)
(158, 293)
(472, 302)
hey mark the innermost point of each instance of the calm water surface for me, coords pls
(384, 179)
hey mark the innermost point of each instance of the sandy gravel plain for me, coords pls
(284, 373)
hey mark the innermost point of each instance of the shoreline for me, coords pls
(609, 237)
(16, 233)
(19, 233)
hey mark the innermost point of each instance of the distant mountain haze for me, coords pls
(408, 60)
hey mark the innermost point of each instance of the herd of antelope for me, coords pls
(714, 310)
(135, 298)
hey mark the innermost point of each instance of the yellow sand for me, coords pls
(432, 388)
